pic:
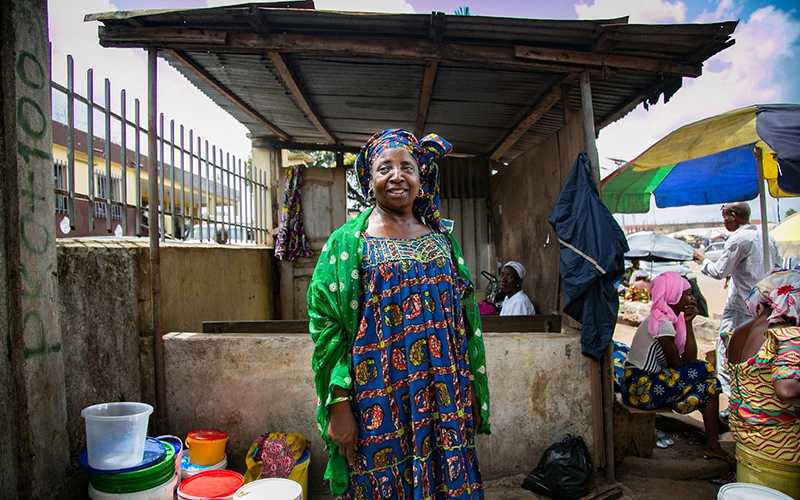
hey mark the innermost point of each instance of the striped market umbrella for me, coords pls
(715, 160)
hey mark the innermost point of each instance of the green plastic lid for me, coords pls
(140, 480)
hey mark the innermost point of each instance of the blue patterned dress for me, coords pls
(412, 393)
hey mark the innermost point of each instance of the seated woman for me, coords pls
(516, 302)
(662, 369)
(764, 363)
(639, 290)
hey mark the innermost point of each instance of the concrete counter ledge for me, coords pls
(250, 383)
(545, 323)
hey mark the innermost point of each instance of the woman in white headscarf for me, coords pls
(516, 302)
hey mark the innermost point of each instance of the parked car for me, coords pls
(714, 251)
(234, 235)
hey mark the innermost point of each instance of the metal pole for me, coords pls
(107, 153)
(138, 185)
(208, 194)
(214, 185)
(239, 202)
(90, 141)
(264, 206)
(183, 188)
(172, 178)
(762, 200)
(160, 171)
(155, 256)
(71, 141)
(191, 180)
(228, 191)
(222, 191)
(257, 203)
(123, 161)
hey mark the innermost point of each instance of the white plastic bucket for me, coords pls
(188, 469)
(748, 491)
(115, 434)
(164, 492)
(270, 489)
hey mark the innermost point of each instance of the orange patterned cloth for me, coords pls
(759, 419)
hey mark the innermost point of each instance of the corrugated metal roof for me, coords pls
(474, 103)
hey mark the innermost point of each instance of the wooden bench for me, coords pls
(634, 431)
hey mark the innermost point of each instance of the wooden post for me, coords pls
(602, 385)
(588, 126)
(153, 227)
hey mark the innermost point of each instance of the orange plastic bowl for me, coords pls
(207, 446)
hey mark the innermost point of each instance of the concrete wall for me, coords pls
(100, 305)
(33, 454)
(247, 384)
(522, 195)
(104, 306)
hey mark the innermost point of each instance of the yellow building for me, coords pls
(192, 204)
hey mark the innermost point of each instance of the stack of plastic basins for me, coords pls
(152, 480)
(123, 463)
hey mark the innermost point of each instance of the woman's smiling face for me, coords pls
(395, 179)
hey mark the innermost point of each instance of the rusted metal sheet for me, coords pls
(363, 71)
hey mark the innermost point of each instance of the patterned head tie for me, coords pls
(425, 152)
(780, 293)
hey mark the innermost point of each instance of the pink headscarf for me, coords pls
(665, 290)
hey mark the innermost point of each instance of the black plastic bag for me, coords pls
(563, 471)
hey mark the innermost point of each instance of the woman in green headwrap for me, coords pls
(398, 355)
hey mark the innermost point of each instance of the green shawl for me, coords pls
(334, 310)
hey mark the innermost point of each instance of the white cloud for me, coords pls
(749, 72)
(639, 11)
(726, 10)
(127, 68)
(388, 6)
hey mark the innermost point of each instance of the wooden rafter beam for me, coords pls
(305, 146)
(425, 93)
(601, 60)
(527, 57)
(291, 84)
(342, 46)
(228, 94)
(543, 106)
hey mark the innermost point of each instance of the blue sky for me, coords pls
(762, 67)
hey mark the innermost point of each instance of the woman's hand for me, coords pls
(343, 430)
(477, 419)
(690, 313)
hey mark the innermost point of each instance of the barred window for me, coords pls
(102, 191)
(60, 183)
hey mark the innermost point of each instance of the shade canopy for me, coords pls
(305, 78)
(713, 161)
(788, 231)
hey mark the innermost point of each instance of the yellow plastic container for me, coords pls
(756, 468)
(300, 472)
(206, 447)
